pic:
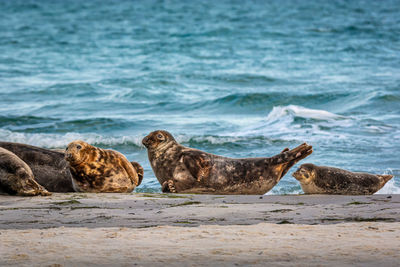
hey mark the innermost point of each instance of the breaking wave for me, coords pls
(62, 140)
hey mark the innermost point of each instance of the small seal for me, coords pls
(181, 169)
(98, 170)
(329, 180)
(49, 167)
(16, 177)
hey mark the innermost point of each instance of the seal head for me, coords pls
(305, 173)
(16, 177)
(158, 140)
(77, 152)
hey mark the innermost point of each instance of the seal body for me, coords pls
(329, 180)
(181, 169)
(99, 170)
(16, 177)
(49, 167)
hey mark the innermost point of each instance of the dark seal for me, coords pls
(98, 170)
(49, 167)
(181, 169)
(16, 177)
(329, 180)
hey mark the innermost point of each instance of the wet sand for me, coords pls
(159, 229)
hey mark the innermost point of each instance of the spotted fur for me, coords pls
(186, 170)
(329, 180)
(99, 170)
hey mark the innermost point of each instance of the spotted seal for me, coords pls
(181, 169)
(329, 180)
(49, 167)
(100, 170)
(16, 177)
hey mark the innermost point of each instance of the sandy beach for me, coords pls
(190, 230)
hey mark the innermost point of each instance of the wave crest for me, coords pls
(280, 112)
(62, 140)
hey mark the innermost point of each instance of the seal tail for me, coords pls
(139, 171)
(287, 158)
(385, 177)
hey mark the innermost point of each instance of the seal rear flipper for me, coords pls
(385, 177)
(139, 171)
(288, 158)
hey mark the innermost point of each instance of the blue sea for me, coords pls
(234, 78)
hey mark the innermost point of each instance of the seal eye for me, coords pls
(160, 136)
(78, 146)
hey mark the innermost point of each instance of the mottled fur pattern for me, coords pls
(99, 170)
(16, 177)
(329, 180)
(187, 170)
(139, 170)
(49, 167)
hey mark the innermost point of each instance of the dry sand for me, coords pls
(191, 230)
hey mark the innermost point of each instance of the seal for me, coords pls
(329, 180)
(49, 167)
(16, 177)
(181, 169)
(100, 170)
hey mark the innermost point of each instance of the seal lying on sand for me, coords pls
(99, 170)
(328, 180)
(49, 167)
(16, 177)
(181, 169)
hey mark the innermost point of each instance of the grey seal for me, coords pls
(101, 170)
(330, 180)
(16, 177)
(181, 169)
(49, 167)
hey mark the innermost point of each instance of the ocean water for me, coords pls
(234, 78)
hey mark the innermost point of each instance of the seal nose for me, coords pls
(68, 156)
(145, 141)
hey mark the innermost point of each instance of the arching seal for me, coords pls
(329, 180)
(181, 169)
(49, 167)
(99, 170)
(16, 177)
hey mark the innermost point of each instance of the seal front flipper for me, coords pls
(139, 171)
(198, 164)
(287, 158)
(168, 187)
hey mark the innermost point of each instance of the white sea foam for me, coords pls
(62, 140)
(299, 111)
(390, 187)
(281, 123)
(215, 140)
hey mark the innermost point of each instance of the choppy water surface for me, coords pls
(235, 78)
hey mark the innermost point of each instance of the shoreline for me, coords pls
(137, 210)
(167, 229)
